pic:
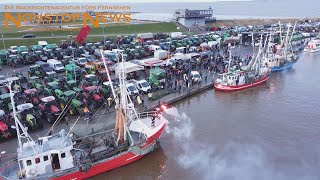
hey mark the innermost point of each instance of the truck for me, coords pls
(145, 36)
(176, 35)
(56, 65)
(161, 54)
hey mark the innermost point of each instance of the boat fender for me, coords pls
(32, 172)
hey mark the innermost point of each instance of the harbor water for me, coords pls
(267, 132)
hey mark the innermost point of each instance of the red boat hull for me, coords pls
(108, 165)
(241, 87)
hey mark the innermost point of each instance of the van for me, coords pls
(45, 68)
(56, 65)
(132, 89)
(195, 76)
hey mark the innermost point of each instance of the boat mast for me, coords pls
(293, 31)
(230, 57)
(286, 43)
(109, 78)
(18, 123)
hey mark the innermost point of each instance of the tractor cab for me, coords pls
(34, 70)
(31, 96)
(5, 102)
(51, 76)
(89, 80)
(28, 116)
(49, 109)
(76, 106)
(35, 82)
(157, 78)
(15, 85)
(6, 128)
(73, 72)
(51, 87)
(4, 56)
(89, 69)
(73, 85)
(91, 97)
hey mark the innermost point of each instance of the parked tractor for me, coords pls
(72, 101)
(157, 78)
(29, 117)
(73, 85)
(14, 61)
(7, 129)
(91, 97)
(73, 72)
(31, 96)
(49, 109)
(50, 88)
(5, 102)
(89, 80)
(4, 56)
(35, 82)
(34, 71)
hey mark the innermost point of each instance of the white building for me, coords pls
(191, 18)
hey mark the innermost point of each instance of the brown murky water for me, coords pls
(268, 132)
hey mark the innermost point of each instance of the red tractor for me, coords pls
(7, 129)
(91, 97)
(49, 109)
(31, 96)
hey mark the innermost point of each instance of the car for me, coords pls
(195, 76)
(81, 61)
(132, 89)
(143, 86)
(28, 36)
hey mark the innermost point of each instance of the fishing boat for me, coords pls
(281, 57)
(239, 78)
(60, 156)
(313, 46)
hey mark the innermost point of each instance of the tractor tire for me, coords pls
(62, 105)
(72, 111)
(51, 119)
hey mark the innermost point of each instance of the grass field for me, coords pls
(12, 31)
(108, 30)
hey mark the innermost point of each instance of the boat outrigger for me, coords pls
(282, 58)
(60, 156)
(238, 78)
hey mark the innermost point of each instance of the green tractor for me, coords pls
(35, 82)
(51, 77)
(73, 85)
(28, 116)
(74, 106)
(50, 88)
(67, 60)
(89, 80)
(5, 102)
(34, 70)
(73, 72)
(4, 56)
(157, 78)
(14, 61)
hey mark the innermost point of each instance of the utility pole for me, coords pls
(4, 46)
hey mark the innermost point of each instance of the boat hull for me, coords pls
(281, 68)
(240, 87)
(114, 163)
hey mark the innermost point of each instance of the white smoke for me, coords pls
(234, 162)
